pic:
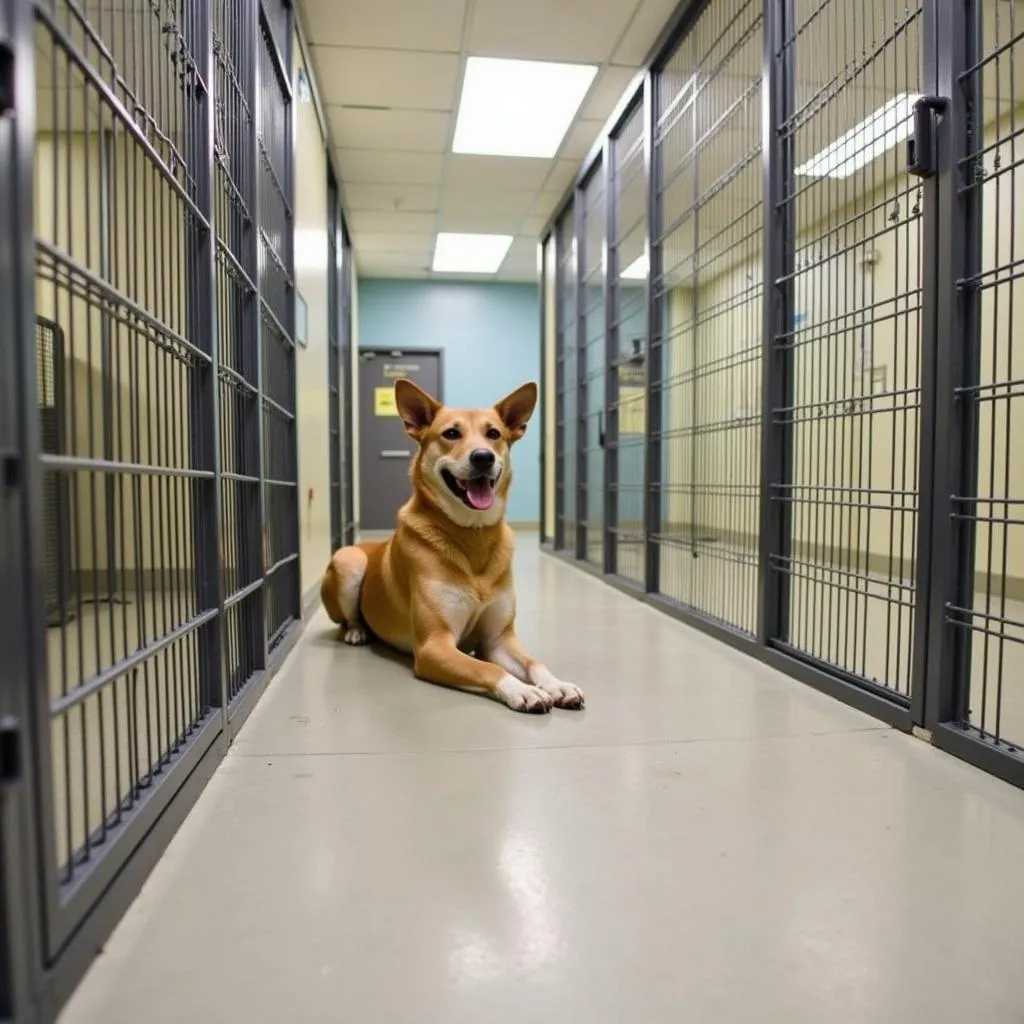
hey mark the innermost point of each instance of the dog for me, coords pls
(440, 588)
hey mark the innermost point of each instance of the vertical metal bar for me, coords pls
(559, 299)
(255, 43)
(775, 538)
(609, 284)
(580, 325)
(655, 355)
(950, 361)
(205, 403)
(26, 803)
(542, 268)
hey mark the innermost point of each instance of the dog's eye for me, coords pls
(493, 434)
(451, 434)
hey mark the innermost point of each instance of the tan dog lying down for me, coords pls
(441, 587)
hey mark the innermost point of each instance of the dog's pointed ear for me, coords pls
(516, 409)
(415, 406)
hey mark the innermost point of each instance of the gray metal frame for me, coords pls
(948, 158)
(240, 470)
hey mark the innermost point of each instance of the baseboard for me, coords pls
(310, 600)
(526, 527)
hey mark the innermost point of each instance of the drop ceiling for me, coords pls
(389, 74)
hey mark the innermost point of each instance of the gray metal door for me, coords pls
(384, 447)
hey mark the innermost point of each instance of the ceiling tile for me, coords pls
(386, 78)
(651, 17)
(534, 225)
(561, 177)
(580, 137)
(392, 221)
(496, 172)
(413, 244)
(606, 92)
(418, 130)
(398, 24)
(547, 203)
(387, 168)
(481, 221)
(407, 198)
(510, 202)
(563, 30)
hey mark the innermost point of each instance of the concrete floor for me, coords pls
(707, 841)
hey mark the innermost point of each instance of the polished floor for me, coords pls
(708, 841)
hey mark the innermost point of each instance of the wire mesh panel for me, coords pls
(854, 341)
(277, 294)
(234, 31)
(121, 240)
(628, 258)
(566, 385)
(986, 620)
(590, 362)
(708, 148)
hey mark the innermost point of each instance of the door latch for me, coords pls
(923, 145)
(6, 77)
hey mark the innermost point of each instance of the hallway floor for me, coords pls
(708, 841)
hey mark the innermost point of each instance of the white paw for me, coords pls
(356, 636)
(563, 695)
(520, 696)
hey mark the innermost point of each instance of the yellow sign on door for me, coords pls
(384, 402)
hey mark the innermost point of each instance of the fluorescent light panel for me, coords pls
(457, 253)
(636, 271)
(518, 107)
(885, 128)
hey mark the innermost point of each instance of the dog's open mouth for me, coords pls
(476, 493)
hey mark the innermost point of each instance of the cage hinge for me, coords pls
(10, 751)
(6, 77)
(922, 146)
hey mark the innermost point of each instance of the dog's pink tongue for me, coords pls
(480, 493)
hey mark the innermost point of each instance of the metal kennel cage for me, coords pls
(813, 298)
(149, 527)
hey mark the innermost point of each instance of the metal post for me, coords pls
(610, 286)
(777, 374)
(205, 419)
(655, 342)
(950, 360)
(579, 270)
(559, 539)
(542, 268)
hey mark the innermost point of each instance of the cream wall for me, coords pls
(312, 399)
(97, 206)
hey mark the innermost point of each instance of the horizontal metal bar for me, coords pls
(281, 563)
(111, 296)
(79, 464)
(240, 595)
(111, 99)
(95, 683)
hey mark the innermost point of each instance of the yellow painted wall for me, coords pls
(313, 400)
(152, 517)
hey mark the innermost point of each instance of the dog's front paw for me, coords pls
(563, 695)
(356, 636)
(520, 696)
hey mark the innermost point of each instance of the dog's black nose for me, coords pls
(482, 459)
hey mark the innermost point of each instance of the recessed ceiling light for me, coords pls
(469, 254)
(518, 107)
(636, 271)
(886, 127)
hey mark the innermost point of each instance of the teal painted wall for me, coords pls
(490, 335)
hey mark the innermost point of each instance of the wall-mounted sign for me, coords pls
(384, 402)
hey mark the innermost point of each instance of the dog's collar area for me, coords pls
(476, 493)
